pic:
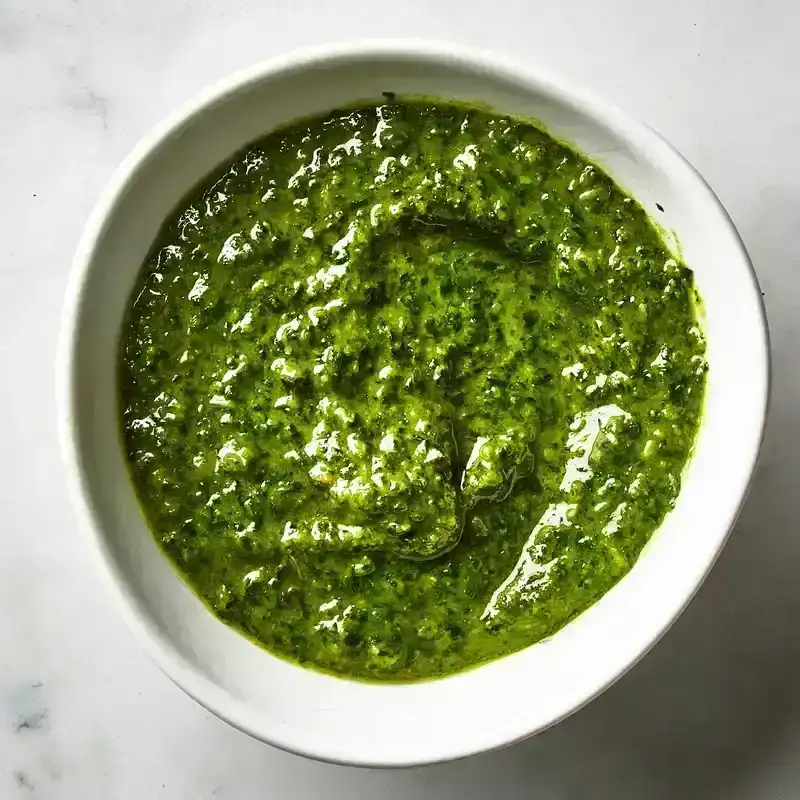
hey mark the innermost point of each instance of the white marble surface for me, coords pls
(712, 712)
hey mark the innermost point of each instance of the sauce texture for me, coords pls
(407, 387)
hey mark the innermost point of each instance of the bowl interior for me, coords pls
(483, 708)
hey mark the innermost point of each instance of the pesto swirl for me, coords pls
(407, 387)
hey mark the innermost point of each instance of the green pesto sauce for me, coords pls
(408, 387)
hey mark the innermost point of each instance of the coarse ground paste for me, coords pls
(407, 387)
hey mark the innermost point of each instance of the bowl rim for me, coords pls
(158, 646)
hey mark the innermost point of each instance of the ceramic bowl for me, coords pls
(480, 709)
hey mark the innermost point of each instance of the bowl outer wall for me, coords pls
(521, 709)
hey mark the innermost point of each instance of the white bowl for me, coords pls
(348, 721)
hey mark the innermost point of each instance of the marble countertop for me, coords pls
(712, 712)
